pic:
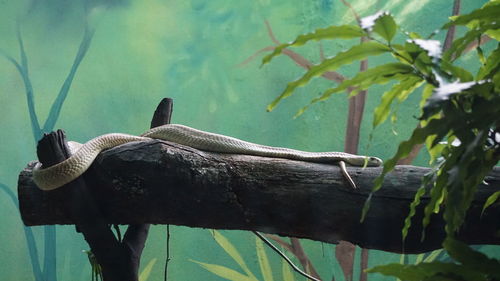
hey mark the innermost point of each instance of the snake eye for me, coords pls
(375, 160)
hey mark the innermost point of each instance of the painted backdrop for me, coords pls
(94, 67)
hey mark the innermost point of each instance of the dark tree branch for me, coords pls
(165, 183)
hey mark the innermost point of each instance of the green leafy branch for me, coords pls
(459, 121)
(457, 105)
(471, 266)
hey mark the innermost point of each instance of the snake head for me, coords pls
(374, 161)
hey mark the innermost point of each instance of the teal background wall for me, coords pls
(190, 51)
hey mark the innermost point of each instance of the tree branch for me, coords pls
(166, 183)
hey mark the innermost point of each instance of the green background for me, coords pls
(191, 51)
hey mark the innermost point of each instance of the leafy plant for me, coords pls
(459, 121)
(460, 117)
(472, 265)
(425, 257)
(247, 275)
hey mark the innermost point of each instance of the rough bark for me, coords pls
(164, 183)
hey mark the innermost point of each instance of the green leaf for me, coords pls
(495, 34)
(466, 175)
(418, 136)
(147, 270)
(366, 207)
(357, 52)
(332, 32)
(433, 255)
(385, 26)
(427, 271)
(413, 207)
(480, 53)
(491, 199)
(432, 48)
(486, 13)
(434, 147)
(232, 252)
(491, 66)
(403, 54)
(265, 267)
(401, 89)
(377, 75)
(462, 74)
(460, 44)
(496, 81)
(363, 80)
(422, 271)
(472, 259)
(224, 272)
(438, 193)
(426, 94)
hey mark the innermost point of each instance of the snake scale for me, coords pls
(83, 155)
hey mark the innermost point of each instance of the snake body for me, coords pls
(82, 157)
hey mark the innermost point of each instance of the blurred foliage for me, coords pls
(459, 121)
(470, 265)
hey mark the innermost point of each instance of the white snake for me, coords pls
(83, 155)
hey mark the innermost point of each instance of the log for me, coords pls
(166, 183)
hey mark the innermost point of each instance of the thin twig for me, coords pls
(294, 267)
(165, 278)
(298, 251)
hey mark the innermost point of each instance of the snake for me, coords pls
(82, 155)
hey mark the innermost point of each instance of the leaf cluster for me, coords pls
(470, 266)
(460, 116)
(460, 113)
